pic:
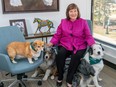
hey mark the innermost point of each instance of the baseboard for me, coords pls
(109, 64)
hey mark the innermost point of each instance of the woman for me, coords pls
(72, 36)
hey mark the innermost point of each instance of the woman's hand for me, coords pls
(49, 44)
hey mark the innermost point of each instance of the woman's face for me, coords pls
(73, 13)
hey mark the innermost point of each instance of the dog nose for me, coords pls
(46, 57)
(98, 52)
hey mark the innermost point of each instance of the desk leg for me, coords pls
(46, 40)
(42, 38)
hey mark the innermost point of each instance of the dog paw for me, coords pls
(33, 75)
(52, 77)
(14, 61)
(31, 62)
(45, 78)
(99, 79)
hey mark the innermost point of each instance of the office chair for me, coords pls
(9, 34)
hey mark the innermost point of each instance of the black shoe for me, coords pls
(59, 84)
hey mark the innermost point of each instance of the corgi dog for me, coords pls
(27, 50)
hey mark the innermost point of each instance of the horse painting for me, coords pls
(43, 23)
(17, 3)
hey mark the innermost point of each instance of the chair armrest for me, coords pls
(5, 62)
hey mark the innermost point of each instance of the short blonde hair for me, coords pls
(70, 7)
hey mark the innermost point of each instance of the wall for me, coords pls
(84, 6)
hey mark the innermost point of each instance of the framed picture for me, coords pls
(15, 6)
(20, 24)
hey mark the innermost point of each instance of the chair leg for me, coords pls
(22, 83)
(33, 79)
(13, 83)
(17, 81)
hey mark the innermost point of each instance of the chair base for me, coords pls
(17, 81)
(20, 80)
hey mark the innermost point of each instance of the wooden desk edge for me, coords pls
(38, 36)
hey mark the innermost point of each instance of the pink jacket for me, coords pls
(73, 35)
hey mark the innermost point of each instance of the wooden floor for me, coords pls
(108, 75)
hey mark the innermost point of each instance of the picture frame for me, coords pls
(16, 6)
(20, 23)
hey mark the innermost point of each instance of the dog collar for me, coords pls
(94, 60)
(33, 47)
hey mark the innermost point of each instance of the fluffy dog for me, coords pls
(83, 74)
(25, 50)
(48, 65)
(94, 58)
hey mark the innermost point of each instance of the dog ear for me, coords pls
(102, 47)
(55, 50)
(34, 44)
(90, 51)
(44, 48)
(52, 50)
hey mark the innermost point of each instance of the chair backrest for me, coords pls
(9, 34)
(90, 26)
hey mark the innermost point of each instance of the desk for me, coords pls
(32, 36)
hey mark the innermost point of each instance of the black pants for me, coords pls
(75, 61)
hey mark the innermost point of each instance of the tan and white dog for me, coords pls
(94, 58)
(25, 50)
(48, 66)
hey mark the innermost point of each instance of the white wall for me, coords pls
(84, 5)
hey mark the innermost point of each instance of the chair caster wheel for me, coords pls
(20, 85)
(39, 83)
(1, 84)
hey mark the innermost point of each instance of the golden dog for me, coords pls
(25, 49)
